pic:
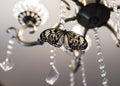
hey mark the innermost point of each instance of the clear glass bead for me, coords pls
(11, 42)
(9, 52)
(102, 65)
(10, 47)
(51, 51)
(103, 73)
(52, 76)
(105, 81)
(101, 59)
(52, 57)
(99, 53)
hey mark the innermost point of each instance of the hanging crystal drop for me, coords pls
(53, 74)
(8, 64)
(101, 59)
(62, 16)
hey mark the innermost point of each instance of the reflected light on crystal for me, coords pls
(52, 76)
(7, 64)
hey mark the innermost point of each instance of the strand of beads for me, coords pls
(62, 16)
(53, 74)
(72, 79)
(101, 59)
(8, 64)
(83, 71)
(117, 16)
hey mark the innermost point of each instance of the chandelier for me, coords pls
(90, 16)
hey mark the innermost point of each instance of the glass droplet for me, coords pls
(7, 64)
(52, 76)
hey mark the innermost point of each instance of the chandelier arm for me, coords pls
(111, 9)
(85, 32)
(114, 33)
(78, 3)
(20, 39)
(73, 18)
(68, 5)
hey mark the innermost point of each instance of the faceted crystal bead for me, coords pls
(10, 47)
(101, 60)
(51, 57)
(102, 66)
(103, 73)
(105, 81)
(11, 41)
(53, 75)
(9, 52)
(99, 53)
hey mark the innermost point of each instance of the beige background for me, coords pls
(32, 63)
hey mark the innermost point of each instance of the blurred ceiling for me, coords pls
(32, 63)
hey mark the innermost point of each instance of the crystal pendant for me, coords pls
(53, 75)
(7, 64)
(101, 60)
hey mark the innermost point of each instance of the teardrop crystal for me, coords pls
(53, 75)
(7, 64)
